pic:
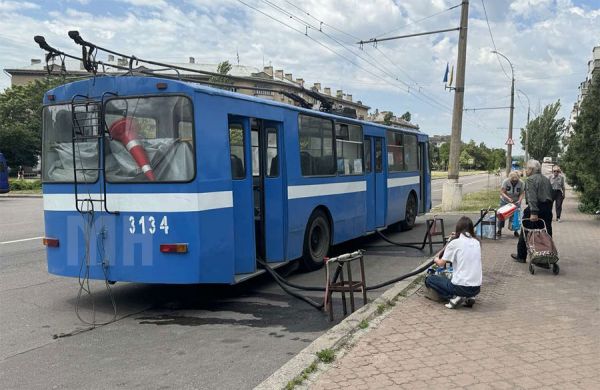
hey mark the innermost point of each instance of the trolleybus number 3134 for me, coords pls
(150, 225)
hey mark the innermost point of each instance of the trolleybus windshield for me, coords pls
(151, 139)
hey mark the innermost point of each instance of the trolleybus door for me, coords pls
(243, 207)
(424, 172)
(376, 184)
(268, 189)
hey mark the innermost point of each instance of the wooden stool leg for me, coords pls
(350, 285)
(363, 281)
(429, 235)
(343, 293)
(330, 306)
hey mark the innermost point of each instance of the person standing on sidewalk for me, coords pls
(557, 180)
(510, 192)
(464, 252)
(538, 195)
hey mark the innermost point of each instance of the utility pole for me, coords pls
(509, 141)
(510, 126)
(527, 137)
(526, 127)
(452, 189)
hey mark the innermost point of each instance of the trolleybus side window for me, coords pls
(255, 152)
(349, 149)
(57, 147)
(236, 145)
(411, 158)
(272, 153)
(378, 155)
(316, 146)
(395, 151)
(145, 142)
(367, 148)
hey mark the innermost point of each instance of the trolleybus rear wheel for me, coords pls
(410, 215)
(316, 241)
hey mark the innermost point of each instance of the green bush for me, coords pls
(25, 185)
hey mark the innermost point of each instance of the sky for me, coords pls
(549, 43)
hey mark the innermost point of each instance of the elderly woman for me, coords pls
(510, 192)
(538, 195)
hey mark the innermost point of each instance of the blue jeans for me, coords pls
(446, 290)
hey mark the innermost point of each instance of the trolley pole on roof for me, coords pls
(452, 189)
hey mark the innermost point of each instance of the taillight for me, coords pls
(174, 248)
(50, 242)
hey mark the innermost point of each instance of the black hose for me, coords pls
(284, 284)
(408, 244)
(404, 245)
(399, 278)
(272, 272)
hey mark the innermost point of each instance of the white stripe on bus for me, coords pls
(307, 191)
(403, 181)
(145, 202)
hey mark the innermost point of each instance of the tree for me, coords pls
(21, 121)
(444, 154)
(406, 116)
(581, 161)
(545, 133)
(465, 159)
(223, 69)
(387, 118)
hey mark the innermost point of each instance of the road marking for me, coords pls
(21, 240)
(466, 184)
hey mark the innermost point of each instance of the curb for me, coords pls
(21, 196)
(334, 338)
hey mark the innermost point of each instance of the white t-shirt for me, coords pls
(465, 254)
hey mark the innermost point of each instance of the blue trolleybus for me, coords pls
(154, 180)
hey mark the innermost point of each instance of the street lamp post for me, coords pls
(526, 127)
(512, 108)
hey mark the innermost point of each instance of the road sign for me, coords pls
(509, 142)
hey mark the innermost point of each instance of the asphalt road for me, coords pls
(226, 337)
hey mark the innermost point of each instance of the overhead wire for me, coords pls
(310, 26)
(419, 21)
(377, 65)
(492, 38)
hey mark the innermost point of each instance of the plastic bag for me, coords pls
(516, 221)
(487, 227)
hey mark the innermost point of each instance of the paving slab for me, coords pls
(525, 331)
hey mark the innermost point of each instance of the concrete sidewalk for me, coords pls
(526, 331)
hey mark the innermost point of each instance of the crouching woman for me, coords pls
(464, 252)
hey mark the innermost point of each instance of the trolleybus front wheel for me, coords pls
(316, 241)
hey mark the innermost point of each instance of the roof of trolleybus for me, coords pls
(189, 87)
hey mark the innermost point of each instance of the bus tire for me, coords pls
(317, 239)
(410, 213)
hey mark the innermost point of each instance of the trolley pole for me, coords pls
(452, 189)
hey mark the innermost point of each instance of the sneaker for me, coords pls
(469, 302)
(516, 234)
(558, 220)
(499, 233)
(454, 302)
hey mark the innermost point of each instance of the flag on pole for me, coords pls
(446, 74)
(451, 75)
